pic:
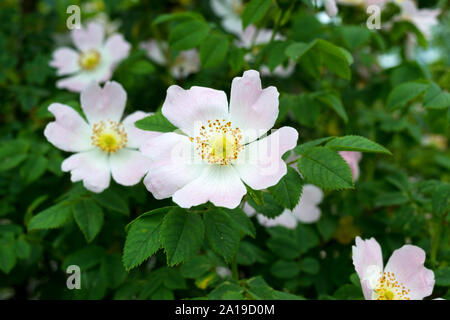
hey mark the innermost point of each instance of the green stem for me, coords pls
(435, 240)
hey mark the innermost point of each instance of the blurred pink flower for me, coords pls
(187, 61)
(103, 145)
(352, 158)
(217, 148)
(423, 19)
(403, 278)
(330, 7)
(94, 60)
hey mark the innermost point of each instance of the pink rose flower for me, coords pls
(403, 278)
(94, 59)
(352, 158)
(423, 19)
(217, 148)
(103, 145)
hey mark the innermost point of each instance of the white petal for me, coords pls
(128, 167)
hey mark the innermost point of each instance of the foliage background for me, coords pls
(398, 199)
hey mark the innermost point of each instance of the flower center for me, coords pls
(218, 142)
(389, 288)
(89, 60)
(237, 7)
(109, 136)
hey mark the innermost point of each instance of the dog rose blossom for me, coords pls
(423, 19)
(403, 278)
(103, 145)
(94, 60)
(219, 147)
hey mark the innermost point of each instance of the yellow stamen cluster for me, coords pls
(218, 142)
(109, 136)
(389, 288)
(89, 60)
(237, 7)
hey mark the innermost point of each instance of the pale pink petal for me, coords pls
(366, 254)
(65, 60)
(88, 38)
(311, 194)
(69, 131)
(252, 109)
(260, 164)
(248, 209)
(286, 219)
(117, 47)
(155, 50)
(137, 137)
(171, 168)
(352, 158)
(407, 265)
(331, 8)
(92, 167)
(128, 167)
(105, 103)
(189, 109)
(306, 213)
(220, 185)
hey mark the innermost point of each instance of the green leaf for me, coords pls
(442, 276)
(196, 267)
(354, 36)
(22, 248)
(222, 233)
(310, 265)
(143, 240)
(85, 258)
(296, 50)
(12, 153)
(325, 168)
(334, 102)
(156, 122)
(188, 34)
(435, 98)
(256, 195)
(288, 190)
(441, 200)
(187, 15)
(7, 254)
(348, 292)
(33, 168)
(335, 58)
(259, 289)
(404, 93)
(53, 217)
(255, 11)
(89, 217)
(270, 208)
(285, 269)
(301, 148)
(112, 270)
(181, 235)
(111, 200)
(213, 50)
(244, 223)
(356, 143)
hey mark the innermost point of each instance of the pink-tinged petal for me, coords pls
(366, 254)
(286, 219)
(260, 164)
(248, 209)
(171, 167)
(311, 194)
(252, 109)
(92, 167)
(219, 184)
(189, 109)
(69, 131)
(137, 137)
(88, 38)
(407, 265)
(117, 47)
(352, 158)
(105, 103)
(155, 50)
(128, 167)
(65, 60)
(186, 63)
(331, 8)
(306, 213)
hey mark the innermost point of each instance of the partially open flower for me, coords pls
(423, 19)
(104, 145)
(403, 278)
(219, 147)
(94, 59)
